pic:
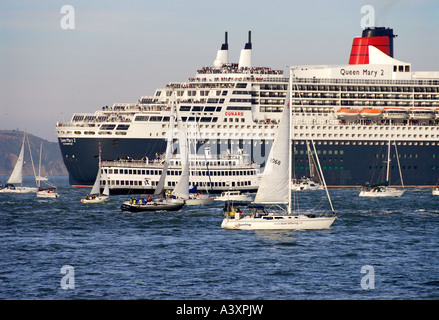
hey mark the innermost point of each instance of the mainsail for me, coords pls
(17, 174)
(182, 187)
(274, 186)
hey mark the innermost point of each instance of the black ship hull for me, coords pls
(344, 163)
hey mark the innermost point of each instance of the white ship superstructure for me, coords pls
(349, 111)
(207, 173)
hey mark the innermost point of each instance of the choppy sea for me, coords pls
(63, 249)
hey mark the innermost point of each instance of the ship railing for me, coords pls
(229, 79)
(141, 163)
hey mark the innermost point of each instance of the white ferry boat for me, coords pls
(349, 111)
(208, 173)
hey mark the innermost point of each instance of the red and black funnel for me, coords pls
(379, 37)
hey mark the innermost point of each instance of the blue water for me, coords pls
(186, 255)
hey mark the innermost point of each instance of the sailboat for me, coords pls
(15, 181)
(193, 197)
(50, 191)
(275, 192)
(95, 196)
(383, 189)
(314, 182)
(162, 203)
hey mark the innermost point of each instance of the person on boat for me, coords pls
(148, 199)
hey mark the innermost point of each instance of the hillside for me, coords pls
(10, 144)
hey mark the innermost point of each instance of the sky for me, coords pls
(120, 50)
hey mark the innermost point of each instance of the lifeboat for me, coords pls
(395, 113)
(420, 113)
(348, 113)
(370, 113)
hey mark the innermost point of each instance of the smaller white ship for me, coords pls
(215, 173)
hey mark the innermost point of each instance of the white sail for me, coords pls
(182, 187)
(106, 191)
(274, 186)
(97, 185)
(17, 174)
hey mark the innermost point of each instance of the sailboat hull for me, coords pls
(47, 194)
(18, 190)
(382, 192)
(286, 222)
(97, 199)
(152, 206)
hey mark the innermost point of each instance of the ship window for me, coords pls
(197, 109)
(407, 68)
(395, 68)
(107, 127)
(209, 109)
(155, 118)
(241, 85)
(141, 118)
(218, 109)
(123, 127)
(401, 68)
(185, 108)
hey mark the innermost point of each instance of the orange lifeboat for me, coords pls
(347, 113)
(370, 113)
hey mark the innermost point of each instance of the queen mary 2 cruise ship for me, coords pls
(351, 113)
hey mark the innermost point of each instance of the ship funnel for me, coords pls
(222, 55)
(245, 59)
(379, 37)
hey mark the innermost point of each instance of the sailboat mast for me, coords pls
(290, 154)
(39, 166)
(388, 164)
